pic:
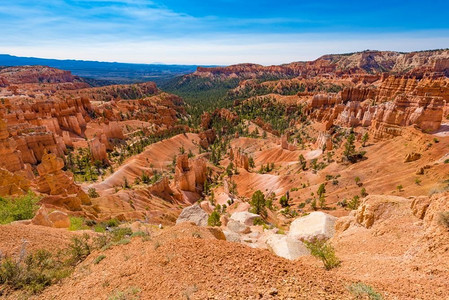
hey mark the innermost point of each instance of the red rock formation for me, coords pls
(425, 112)
(36, 74)
(324, 141)
(13, 183)
(414, 64)
(98, 150)
(286, 145)
(190, 175)
(11, 157)
(240, 159)
(59, 185)
(207, 138)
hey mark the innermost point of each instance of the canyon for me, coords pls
(239, 179)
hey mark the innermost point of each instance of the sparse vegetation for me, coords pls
(325, 252)
(354, 203)
(258, 203)
(19, 208)
(214, 219)
(99, 259)
(92, 192)
(361, 290)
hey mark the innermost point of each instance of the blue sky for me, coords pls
(217, 32)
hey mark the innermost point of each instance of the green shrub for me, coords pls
(362, 290)
(325, 252)
(101, 228)
(93, 193)
(113, 223)
(123, 242)
(354, 203)
(101, 240)
(258, 221)
(130, 294)
(20, 208)
(283, 201)
(77, 223)
(79, 249)
(258, 203)
(120, 233)
(99, 258)
(34, 272)
(214, 219)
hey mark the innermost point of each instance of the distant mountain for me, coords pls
(105, 71)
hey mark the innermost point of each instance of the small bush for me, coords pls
(360, 290)
(123, 242)
(130, 294)
(16, 209)
(214, 219)
(99, 258)
(34, 272)
(119, 233)
(325, 252)
(101, 228)
(140, 233)
(77, 223)
(92, 192)
(112, 223)
(283, 201)
(79, 249)
(258, 221)
(354, 203)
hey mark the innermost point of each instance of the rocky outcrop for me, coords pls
(316, 225)
(219, 114)
(239, 158)
(419, 206)
(286, 145)
(59, 185)
(113, 130)
(55, 218)
(207, 138)
(13, 183)
(369, 62)
(238, 227)
(98, 150)
(11, 157)
(324, 141)
(36, 74)
(190, 174)
(193, 214)
(376, 207)
(286, 247)
(244, 217)
(412, 156)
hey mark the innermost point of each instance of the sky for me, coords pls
(219, 32)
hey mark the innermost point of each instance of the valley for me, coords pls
(226, 182)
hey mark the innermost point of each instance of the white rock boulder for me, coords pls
(238, 227)
(316, 225)
(286, 247)
(232, 236)
(193, 214)
(244, 217)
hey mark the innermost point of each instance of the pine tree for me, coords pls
(258, 203)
